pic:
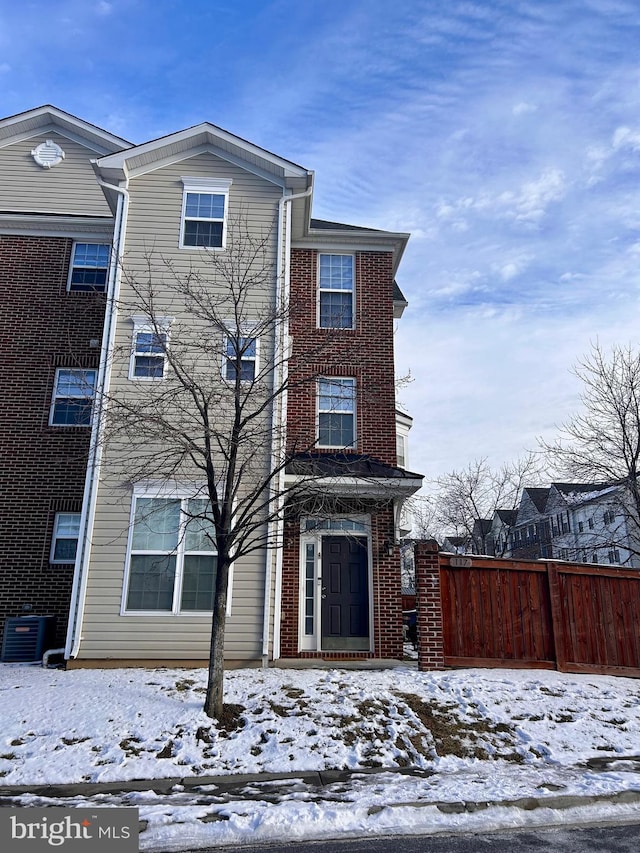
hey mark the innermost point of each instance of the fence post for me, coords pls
(428, 606)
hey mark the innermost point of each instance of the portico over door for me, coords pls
(344, 610)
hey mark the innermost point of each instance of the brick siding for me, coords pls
(366, 354)
(42, 471)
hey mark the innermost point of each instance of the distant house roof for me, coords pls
(507, 516)
(538, 497)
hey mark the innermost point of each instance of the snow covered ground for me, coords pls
(478, 736)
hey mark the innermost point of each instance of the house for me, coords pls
(501, 524)
(581, 522)
(55, 231)
(118, 217)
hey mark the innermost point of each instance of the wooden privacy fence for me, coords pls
(479, 611)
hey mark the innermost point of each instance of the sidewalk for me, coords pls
(204, 806)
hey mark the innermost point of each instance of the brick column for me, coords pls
(428, 606)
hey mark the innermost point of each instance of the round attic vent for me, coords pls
(48, 154)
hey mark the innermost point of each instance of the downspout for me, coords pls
(81, 569)
(279, 416)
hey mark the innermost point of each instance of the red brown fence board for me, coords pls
(517, 613)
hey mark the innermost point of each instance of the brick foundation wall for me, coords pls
(428, 606)
(42, 470)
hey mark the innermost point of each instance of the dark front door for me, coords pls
(345, 593)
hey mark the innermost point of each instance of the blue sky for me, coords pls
(503, 134)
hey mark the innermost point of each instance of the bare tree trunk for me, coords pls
(214, 699)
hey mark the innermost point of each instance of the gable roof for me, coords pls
(140, 159)
(538, 497)
(47, 118)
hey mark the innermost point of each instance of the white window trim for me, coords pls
(55, 396)
(168, 492)
(354, 443)
(55, 537)
(205, 186)
(313, 642)
(320, 290)
(145, 325)
(241, 333)
(71, 266)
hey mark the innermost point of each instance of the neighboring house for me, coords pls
(457, 545)
(56, 230)
(501, 525)
(581, 522)
(333, 586)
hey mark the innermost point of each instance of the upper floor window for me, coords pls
(204, 213)
(609, 516)
(64, 544)
(240, 355)
(336, 412)
(335, 299)
(149, 350)
(73, 393)
(172, 557)
(401, 450)
(89, 266)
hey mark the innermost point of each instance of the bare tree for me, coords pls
(465, 500)
(217, 337)
(601, 444)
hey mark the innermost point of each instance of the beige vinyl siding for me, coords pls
(107, 634)
(68, 188)
(154, 228)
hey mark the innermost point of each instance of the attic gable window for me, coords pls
(204, 213)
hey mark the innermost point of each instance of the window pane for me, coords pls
(65, 550)
(75, 383)
(336, 310)
(89, 266)
(149, 367)
(335, 430)
(151, 581)
(205, 206)
(201, 532)
(198, 583)
(156, 524)
(71, 413)
(68, 524)
(197, 233)
(336, 395)
(150, 342)
(336, 272)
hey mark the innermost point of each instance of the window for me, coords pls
(614, 555)
(73, 394)
(336, 412)
(240, 353)
(401, 452)
(590, 523)
(149, 350)
(64, 544)
(609, 516)
(336, 291)
(204, 210)
(89, 265)
(172, 556)
(581, 526)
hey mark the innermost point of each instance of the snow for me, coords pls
(492, 737)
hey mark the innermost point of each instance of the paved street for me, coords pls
(602, 839)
